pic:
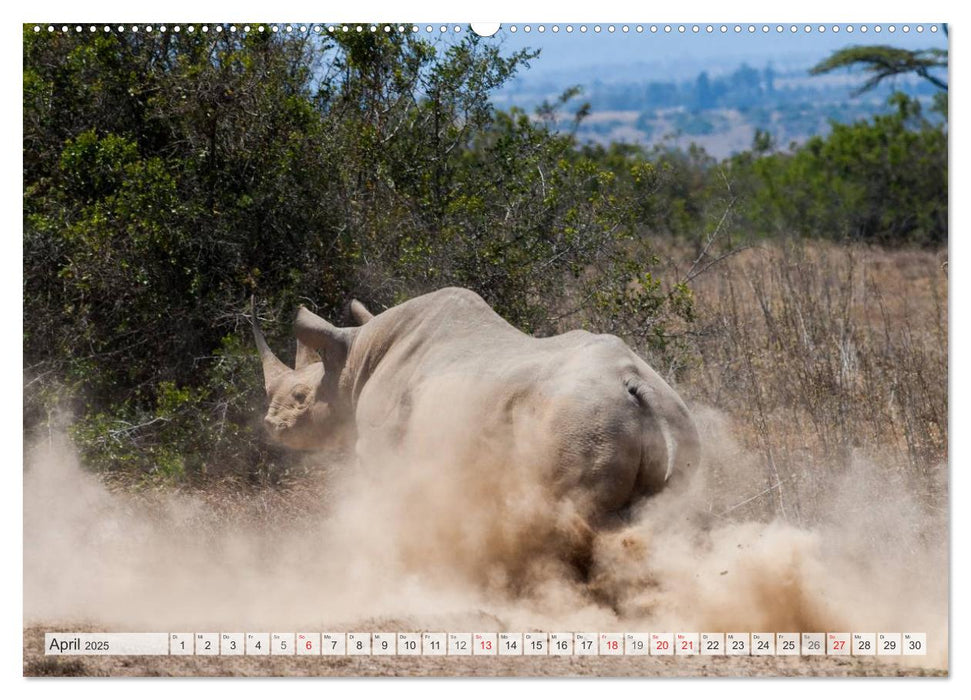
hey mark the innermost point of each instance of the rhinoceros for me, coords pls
(444, 375)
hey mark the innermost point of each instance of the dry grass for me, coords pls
(823, 356)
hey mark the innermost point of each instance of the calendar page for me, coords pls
(458, 349)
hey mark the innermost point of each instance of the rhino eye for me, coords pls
(300, 396)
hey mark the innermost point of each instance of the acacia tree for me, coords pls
(882, 62)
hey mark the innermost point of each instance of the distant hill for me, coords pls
(718, 109)
(713, 90)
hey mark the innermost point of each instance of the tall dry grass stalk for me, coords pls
(825, 355)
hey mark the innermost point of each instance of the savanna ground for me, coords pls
(819, 375)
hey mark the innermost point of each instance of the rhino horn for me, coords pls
(318, 334)
(305, 356)
(273, 368)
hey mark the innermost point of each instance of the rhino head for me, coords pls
(305, 409)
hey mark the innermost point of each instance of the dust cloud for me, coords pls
(439, 548)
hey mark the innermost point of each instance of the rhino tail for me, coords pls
(659, 445)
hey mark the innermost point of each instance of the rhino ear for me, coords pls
(359, 312)
(316, 333)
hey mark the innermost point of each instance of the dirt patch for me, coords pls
(167, 562)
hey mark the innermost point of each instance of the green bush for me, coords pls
(882, 180)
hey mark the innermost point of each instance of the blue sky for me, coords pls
(691, 52)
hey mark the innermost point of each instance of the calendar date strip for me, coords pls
(485, 643)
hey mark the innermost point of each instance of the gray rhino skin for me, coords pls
(444, 374)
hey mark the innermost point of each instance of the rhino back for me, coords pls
(455, 382)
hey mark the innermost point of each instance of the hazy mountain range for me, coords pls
(712, 90)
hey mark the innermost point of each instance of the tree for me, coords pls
(881, 180)
(883, 62)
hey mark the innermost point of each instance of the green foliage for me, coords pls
(183, 432)
(883, 180)
(156, 442)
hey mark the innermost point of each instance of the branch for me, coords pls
(709, 242)
(885, 62)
